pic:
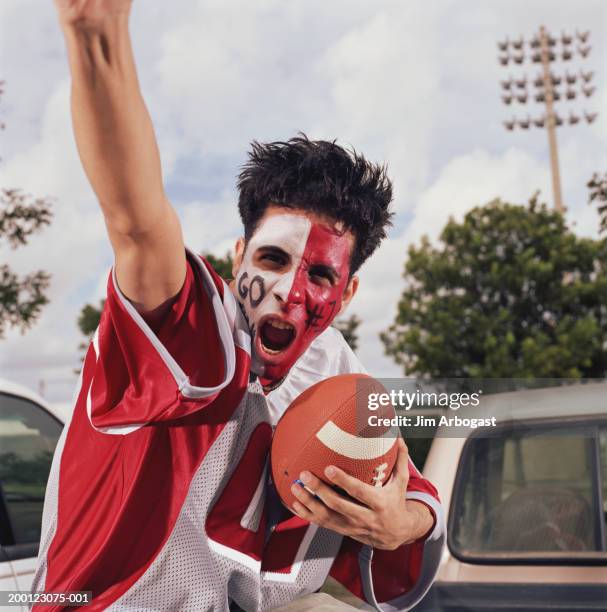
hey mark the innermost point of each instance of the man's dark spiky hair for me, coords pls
(322, 177)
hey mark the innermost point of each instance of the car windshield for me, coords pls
(28, 436)
(532, 491)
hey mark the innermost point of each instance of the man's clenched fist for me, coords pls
(91, 13)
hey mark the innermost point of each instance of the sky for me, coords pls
(410, 83)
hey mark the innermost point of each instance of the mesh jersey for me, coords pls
(158, 496)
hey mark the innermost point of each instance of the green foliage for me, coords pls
(509, 292)
(21, 297)
(597, 187)
(89, 318)
(88, 322)
(348, 328)
(221, 265)
(21, 216)
(418, 449)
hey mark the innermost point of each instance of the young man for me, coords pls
(158, 497)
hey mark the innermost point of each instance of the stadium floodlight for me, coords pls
(548, 50)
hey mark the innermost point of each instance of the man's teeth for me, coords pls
(283, 334)
(280, 324)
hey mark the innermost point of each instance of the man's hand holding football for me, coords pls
(381, 517)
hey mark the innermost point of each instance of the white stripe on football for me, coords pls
(355, 447)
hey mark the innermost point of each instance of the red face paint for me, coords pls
(313, 302)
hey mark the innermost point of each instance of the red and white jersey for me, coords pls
(158, 496)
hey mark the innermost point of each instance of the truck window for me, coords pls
(603, 457)
(529, 492)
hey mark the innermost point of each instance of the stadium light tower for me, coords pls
(545, 49)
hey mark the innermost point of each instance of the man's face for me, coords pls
(292, 280)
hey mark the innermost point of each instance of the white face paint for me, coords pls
(289, 233)
(261, 290)
(290, 284)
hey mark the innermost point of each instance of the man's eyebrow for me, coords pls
(271, 248)
(327, 268)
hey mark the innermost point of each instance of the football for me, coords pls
(328, 424)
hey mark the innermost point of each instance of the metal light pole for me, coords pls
(551, 121)
(543, 50)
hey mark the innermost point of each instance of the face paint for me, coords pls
(291, 284)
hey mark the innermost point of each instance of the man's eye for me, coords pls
(273, 258)
(321, 277)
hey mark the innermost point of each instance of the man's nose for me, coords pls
(286, 291)
(282, 288)
(297, 295)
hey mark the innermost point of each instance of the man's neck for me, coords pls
(270, 385)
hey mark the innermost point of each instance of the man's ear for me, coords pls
(349, 293)
(238, 254)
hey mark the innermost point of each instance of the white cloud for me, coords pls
(73, 249)
(411, 83)
(472, 180)
(467, 181)
(385, 90)
(368, 77)
(211, 226)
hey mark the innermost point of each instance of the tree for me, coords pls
(348, 328)
(597, 186)
(510, 292)
(88, 322)
(21, 297)
(221, 265)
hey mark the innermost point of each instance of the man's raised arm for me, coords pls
(118, 150)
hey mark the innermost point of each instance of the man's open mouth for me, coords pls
(276, 335)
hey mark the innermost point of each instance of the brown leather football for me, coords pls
(328, 424)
